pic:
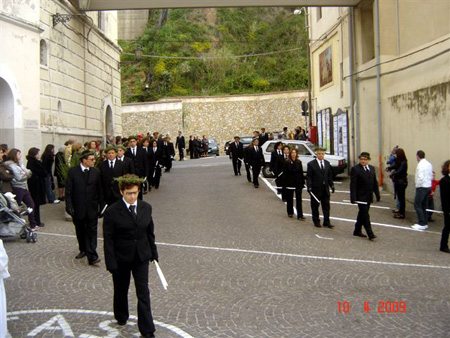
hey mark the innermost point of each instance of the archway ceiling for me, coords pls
(100, 5)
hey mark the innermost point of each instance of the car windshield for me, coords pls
(212, 142)
(302, 150)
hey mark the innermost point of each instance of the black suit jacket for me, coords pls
(168, 151)
(276, 162)
(444, 187)
(180, 143)
(110, 187)
(126, 239)
(293, 175)
(363, 184)
(139, 160)
(263, 138)
(255, 158)
(84, 193)
(318, 180)
(237, 152)
(128, 163)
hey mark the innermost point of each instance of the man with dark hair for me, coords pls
(423, 180)
(237, 154)
(168, 154)
(256, 160)
(180, 144)
(363, 184)
(84, 198)
(5, 151)
(139, 157)
(263, 136)
(110, 169)
(319, 180)
(129, 244)
(127, 162)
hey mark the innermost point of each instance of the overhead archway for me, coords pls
(6, 114)
(109, 123)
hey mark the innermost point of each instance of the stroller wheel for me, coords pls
(34, 237)
(23, 235)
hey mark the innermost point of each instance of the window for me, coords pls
(43, 57)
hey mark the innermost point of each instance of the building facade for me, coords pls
(383, 66)
(59, 74)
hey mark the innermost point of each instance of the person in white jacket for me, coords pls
(423, 178)
(3, 274)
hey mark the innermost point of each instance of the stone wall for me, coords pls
(217, 117)
(132, 23)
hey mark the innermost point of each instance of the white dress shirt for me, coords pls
(424, 174)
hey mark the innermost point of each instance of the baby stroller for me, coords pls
(11, 222)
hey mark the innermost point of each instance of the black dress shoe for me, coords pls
(121, 322)
(256, 186)
(447, 250)
(150, 335)
(359, 234)
(317, 225)
(330, 226)
(96, 261)
(372, 238)
(290, 216)
(80, 255)
(301, 218)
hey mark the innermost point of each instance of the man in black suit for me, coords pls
(247, 163)
(167, 154)
(256, 160)
(277, 159)
(319, 180)
(139, 157)
(363, 184)
(154, 168)
(129, 245)
(127, 162)
(263, 136)
(84, 197)
(110, 169)
(237, 154)
(180, 144)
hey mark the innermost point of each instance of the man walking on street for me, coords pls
(319, 180)
(84, 197)
(256, 161)
(423, 178)
(363, 184)
(181, 145)
(237, 154)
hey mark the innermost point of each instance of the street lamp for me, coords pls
(138, 53)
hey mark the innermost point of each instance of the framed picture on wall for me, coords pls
(326, 66)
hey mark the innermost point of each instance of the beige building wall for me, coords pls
(415, 79)
(132, 23)
(19, 74)
(80, 82)
(217, 117)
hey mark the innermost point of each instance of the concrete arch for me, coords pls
(108, 117)
(11, 111)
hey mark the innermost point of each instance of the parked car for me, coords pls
(245, 140)
(213, 147)
(306, 153)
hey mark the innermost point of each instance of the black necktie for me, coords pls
(321, 165)
(133, 213)
(132, 150)
(86, 171)
(111, 166)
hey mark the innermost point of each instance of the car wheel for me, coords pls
(266, 172)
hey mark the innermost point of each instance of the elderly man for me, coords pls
(363, 184)
(424, 177)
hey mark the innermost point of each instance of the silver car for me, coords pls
(306, 153)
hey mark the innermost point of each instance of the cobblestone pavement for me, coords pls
(237, 266)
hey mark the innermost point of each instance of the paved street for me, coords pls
(237, 266)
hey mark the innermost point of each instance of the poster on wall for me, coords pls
(326, 67)
(340, 130)
(324, 129)
(319, 128)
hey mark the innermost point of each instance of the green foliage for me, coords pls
(235, 31)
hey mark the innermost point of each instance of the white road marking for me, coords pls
(169, 327)
(271, 187)
(324, 237)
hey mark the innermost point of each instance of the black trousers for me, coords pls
(289, 195)
(255, 171)
(363, 220)
(445, 231)
(86, 231)
(325, 202)
(181, 152)
(247, 169)
(168, 163)
(236, 165)
(121, 280)
(400, 191)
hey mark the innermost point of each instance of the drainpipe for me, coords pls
(350, 61)
(357, 141)
(308, 50)
(377, 52)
